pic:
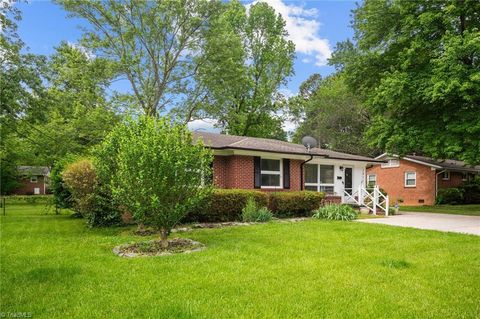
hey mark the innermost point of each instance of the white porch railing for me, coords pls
(373, 199)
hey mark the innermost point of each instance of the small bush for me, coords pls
(471, 192)
(295, 204)
(90, 199)
(62, 195)
(449, 196)
(225, 205)
(251, 213)
(336, 212)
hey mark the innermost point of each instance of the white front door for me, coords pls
(36, 191)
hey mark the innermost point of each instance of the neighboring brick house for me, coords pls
(33, 180)
(271, 165)
(414, 180)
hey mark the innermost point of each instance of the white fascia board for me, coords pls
(420, 162)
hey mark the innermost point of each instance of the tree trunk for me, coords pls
(164, 238)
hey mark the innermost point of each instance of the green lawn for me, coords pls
(54, 267)
(445, 209)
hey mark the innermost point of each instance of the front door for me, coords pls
(348, 179)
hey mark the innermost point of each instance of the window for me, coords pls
(33, 179)
(371, 180)
(464, 176)
(410, 179)
(446, 175)
(319, 178)
(391, 163)
(271, 173)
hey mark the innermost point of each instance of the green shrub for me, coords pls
(336, 212)
(29, 199)
(392, 211)
(224, 205)
(449, 196)
(471, 192)
(250, 213)
(295, 204)
(89, 197)
(62, 195)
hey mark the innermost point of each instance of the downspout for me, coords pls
(436, 183)
(301, 171)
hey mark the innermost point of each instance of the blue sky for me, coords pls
(314, 26)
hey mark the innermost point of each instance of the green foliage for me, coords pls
(336, 212)
(449, 196)
(154, 45)
(29, 199)
(294, 204)
(224, 205)
(88, 195)
(471, 192)
(61, 193)
(415, 66)
(328, 110)
(159, 171)
(247, 57)
(251, 213)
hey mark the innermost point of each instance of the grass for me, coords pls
(473, 210)
(54, 267)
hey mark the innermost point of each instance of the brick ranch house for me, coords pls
(270, 165)
(415, 180)
(33, 180)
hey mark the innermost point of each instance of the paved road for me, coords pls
(442, 222)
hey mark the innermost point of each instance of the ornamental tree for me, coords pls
(160, 171)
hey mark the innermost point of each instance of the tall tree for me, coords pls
(330, 112)
(247, 58)
(416, 65)
(155, 44)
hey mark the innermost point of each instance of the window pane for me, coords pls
(311, 188)
(311, 173)
(270, 180)
(410, 175)
(270, 165)
(327, 189)
(410, 182)
(372, 178)
(326, 174)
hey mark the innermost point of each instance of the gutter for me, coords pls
(301, 171)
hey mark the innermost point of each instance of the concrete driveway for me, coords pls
(442, 222)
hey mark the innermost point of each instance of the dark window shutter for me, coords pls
(257, 162)
(286, 173)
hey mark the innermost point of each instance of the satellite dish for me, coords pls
(309, 142)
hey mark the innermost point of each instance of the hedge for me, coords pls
(225, 205)
(449, 196)
(29, 199)
(295, 204)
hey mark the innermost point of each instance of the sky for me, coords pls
(314, 26)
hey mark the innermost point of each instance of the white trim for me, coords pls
(318, 184)
(420, 162)
(389, 163)
(448, 176)
(34, 181)
(368, 179)
(405, 179)
(279, 172)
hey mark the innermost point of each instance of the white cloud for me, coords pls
(303, 29)
(205, 125)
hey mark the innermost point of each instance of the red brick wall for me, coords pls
(454, 181)
(27, 188)
(392, 180)
(237, 172)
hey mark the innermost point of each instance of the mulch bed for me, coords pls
(153, 248)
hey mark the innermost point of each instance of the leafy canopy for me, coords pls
(247, 57)
(416, 66)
